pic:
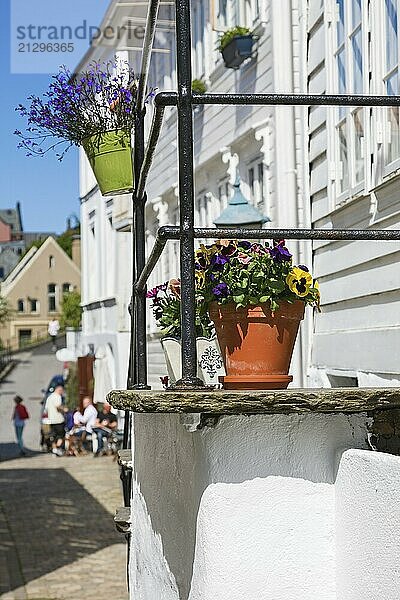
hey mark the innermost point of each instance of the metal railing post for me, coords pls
(186, 196)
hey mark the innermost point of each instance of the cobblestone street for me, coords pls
(56, 529)
(57, 536)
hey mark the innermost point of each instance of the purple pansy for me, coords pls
(218, 261)
(221, 290)
(279, 252)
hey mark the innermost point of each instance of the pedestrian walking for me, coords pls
(20, 415)
(53, 329)
(54, 410)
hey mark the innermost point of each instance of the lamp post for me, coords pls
(239, 213)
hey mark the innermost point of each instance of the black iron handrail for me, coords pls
(184, 100)
(172, 232)
(171, 99)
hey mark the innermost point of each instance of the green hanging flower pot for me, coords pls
(110, 156)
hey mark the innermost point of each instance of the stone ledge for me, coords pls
(222, 402)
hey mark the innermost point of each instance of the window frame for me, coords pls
(37, 304)
(257, 189)
(52, 295)
(387, 168)
(346, 116)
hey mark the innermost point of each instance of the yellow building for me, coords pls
(34, 290)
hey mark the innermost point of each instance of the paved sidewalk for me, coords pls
(57, 537)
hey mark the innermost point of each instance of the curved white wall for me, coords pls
(244, 510)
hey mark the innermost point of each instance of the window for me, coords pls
(256, 184)
(52, 262)
(349, 123)
(20, 305)
(1, 272)
(66, 288)
(391, 79)
(34, 305)
(51, 295)
(198, 26)
(252, 11)
(238, 12)
(223, 195)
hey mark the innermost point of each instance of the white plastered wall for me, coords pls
(248, 509)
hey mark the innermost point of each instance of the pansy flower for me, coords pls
(299, 281)
(227, 247)
(221, 290)
(279, 252)
(218, 261)
(243, 258)
(200, 278)
(317, 294)
(175, 286)
(258, 249)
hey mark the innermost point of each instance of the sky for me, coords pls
(47, 189)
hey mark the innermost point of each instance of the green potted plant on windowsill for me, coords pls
(95, 109)
(236, 45)
(256, 299)
(166, 307)
(199, 86)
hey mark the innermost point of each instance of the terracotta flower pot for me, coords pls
(256, 344)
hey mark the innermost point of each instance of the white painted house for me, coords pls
(265, 145)
(354, 183)
(269, 507)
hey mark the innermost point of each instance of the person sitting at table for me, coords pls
(83, 425)
(105, 424)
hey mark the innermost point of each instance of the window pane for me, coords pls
(251, 182)
(340, 23)
(356, 12)
(222, 15)
(51, 288)
(343, 157)
(52, 304)
(261, 185)
(391, 35)
(341, 64)
(358, 119)
(393, 148)
(356, 44)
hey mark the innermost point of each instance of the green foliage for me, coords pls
(249, 274)
(71, 310)
(72, 388)
(166, 305)
(65, 240)
(198, 86)
(230, 34)
(6, 311)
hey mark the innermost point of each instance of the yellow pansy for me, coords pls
(299, 281)
(200, 278)
(317, 295)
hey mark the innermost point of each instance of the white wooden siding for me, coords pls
(359, 327)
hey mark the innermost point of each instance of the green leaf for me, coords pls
(276, 286)
(238, 299)
(264, 299)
